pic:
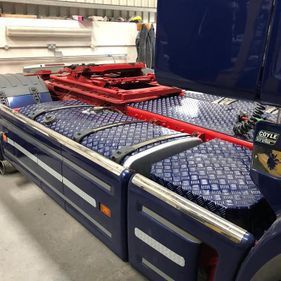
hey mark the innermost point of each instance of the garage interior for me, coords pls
(140, 140)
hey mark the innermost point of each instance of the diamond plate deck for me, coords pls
(215, 175)
(70, 121)
(199, 109)
(201, 96)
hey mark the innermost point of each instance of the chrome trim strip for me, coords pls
(98, 225)
(203, 216)
(156, 270)
(107, 164)
(55, 174)
(120, 154)
(160, 248)
(184, 234)
(163, 147)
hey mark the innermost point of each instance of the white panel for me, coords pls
(130, 2)
(114, 34)
(32, 26)
(24, 51)
(138, 3)
(123, 2)
(152, 17)
(145, 17)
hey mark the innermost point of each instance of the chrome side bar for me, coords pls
(142, 162)
(72, 145)
(203, 216)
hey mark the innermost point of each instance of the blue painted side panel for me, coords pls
(24, 100)
(267, 248)
(212, 46)
(68, 178)
(27, 139)
(271, 88)
(230, 253)
(105, 188)
(140, 252)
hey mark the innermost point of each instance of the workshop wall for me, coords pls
(25, 42)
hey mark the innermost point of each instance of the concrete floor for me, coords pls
(40, 241)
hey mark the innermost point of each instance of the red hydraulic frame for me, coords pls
(108, 84)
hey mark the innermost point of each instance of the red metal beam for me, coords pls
(184, 127)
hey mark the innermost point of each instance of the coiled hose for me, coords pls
(243, 127)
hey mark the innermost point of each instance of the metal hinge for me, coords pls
(35, 94)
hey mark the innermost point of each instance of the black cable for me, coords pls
(243, 127)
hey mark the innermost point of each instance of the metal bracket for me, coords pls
(3, 98)
(79, 136)
(225, 101)
(142, 162)
(35, 94)
(49, 119)
(37, 113)
(120, 154)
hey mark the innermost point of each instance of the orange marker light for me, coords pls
(105, 210)
(4, 138)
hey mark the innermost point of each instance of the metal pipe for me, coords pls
(31, 31)
(22, 59)
(86, 45)
(6, 168)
